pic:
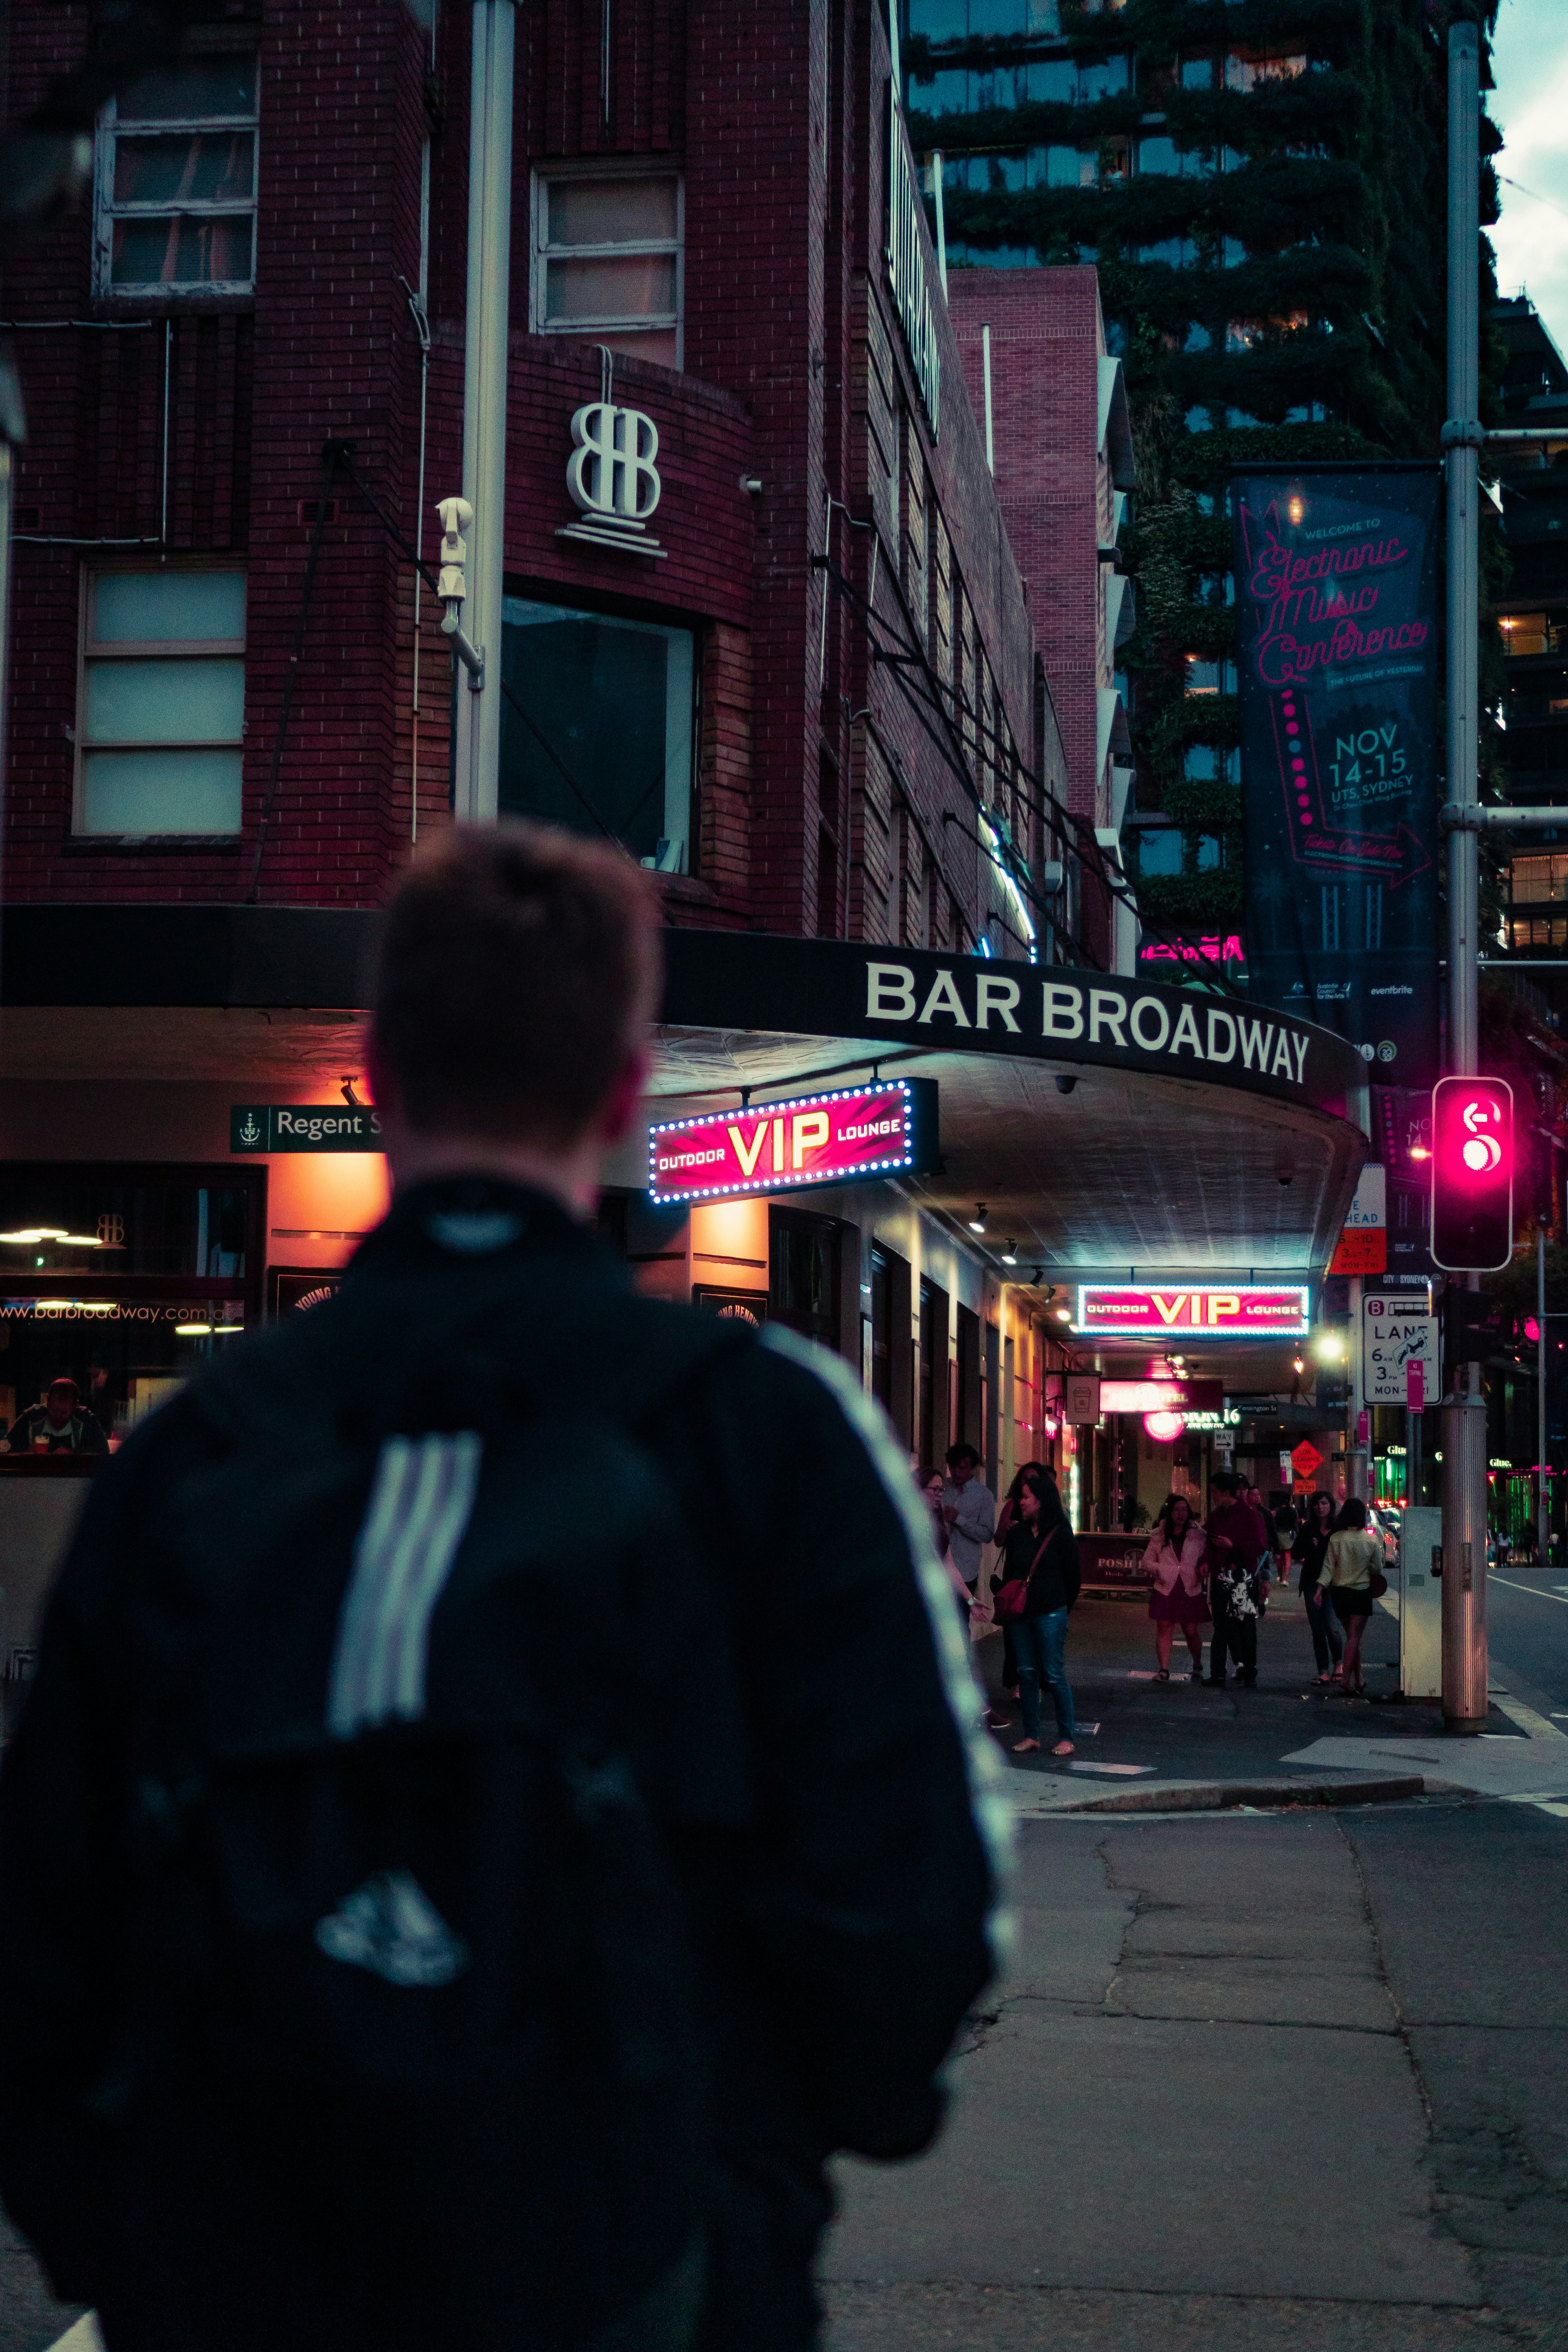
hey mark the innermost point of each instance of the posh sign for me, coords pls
(1241, 1311)
(822, 1139)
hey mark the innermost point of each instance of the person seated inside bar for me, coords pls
(61, 1425)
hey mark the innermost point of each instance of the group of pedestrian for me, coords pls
(1036, 1557)
(1217, 1572)
(1340, 1569)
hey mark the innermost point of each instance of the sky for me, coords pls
(1530, 105)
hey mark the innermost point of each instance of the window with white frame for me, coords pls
(176, 181)
(161, 707)
(607, 260)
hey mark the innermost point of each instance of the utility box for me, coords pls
(1421, 1602)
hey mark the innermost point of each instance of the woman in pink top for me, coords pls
(1175, 1560)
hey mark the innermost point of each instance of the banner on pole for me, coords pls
(1337, 642)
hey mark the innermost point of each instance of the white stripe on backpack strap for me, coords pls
(988, 1799)
(419, 1509)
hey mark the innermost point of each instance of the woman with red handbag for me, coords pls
(1040, 1582)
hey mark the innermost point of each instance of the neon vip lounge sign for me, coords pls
(825, 1138)
(1241, 1311)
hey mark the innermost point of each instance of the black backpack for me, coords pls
(410, 1933)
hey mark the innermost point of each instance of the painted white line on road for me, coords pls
(1534, 1590)
(83, 2337)
(1527, 1718)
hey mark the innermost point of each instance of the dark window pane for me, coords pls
(185, 167)
(938, 20)
(222, 85)
(607, 721)
(183, 252)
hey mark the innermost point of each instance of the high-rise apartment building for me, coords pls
(1261, 190)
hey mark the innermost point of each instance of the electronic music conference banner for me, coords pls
(1337, 648)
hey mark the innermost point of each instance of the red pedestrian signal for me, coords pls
(1472, 1174)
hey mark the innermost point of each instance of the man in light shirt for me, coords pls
(970, 1509)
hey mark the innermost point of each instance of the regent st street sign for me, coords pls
(303, 1127)
(828, 1138)
(966, 1004)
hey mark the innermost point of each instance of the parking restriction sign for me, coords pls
(1394, 1340)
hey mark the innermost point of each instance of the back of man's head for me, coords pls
(1227, 1483)
(519, 968)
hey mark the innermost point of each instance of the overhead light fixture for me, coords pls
(1064, 1313)
(1010, 1252)
(349, 1095)
(32, 1233)
(192, 1330)
(1329, 1347)
(228, 1326)
(977, 1221)
(53, 1305)
(82, 1241)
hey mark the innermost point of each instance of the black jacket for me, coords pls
(1311, 1548)
(1058, 1581)
(840, 1884)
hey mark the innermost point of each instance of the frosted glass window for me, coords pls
(160, 792)
(176, 181)
(608, 261)
(141, 607)
(162, 704)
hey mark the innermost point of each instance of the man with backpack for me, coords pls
(385, 1963)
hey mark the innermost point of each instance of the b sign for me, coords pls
(611, 477)
(826, 1138)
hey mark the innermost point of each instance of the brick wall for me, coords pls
(835, 793)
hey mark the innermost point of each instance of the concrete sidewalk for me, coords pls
(1197, 2113)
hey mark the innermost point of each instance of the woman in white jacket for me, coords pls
(1175, 1560)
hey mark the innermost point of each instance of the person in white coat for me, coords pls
(1174, 1559)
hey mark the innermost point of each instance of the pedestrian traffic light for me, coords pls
(1472, 1174)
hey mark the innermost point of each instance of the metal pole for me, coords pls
(1464, 1408)
(1542, 1487)
(1355, 1451)
(478, 715)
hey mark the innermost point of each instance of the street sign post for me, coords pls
(1464, 1585)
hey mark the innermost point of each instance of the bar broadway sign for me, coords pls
(879, 995)
(1091, 1013)
(1243, 1310)
(821, 1139)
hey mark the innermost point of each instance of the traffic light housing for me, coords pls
(1472, 1174)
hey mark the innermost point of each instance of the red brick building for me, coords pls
(801, 681)
(1033, 345)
